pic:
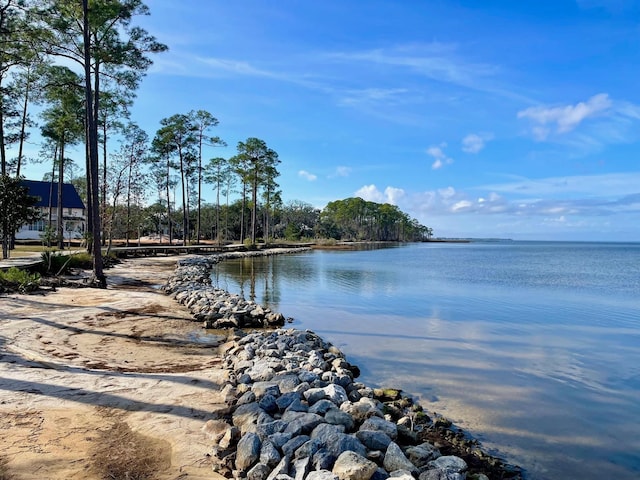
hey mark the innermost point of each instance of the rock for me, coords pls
(269, 454)
(449, 464)
(259, 471)
(304, 424)
(402, 475)
(436, 474)
(394, 459)
(351, 466)
(422, 454)
(321, 407)
(378, 424)
(292, 445)
(323, 459)
(322, 475)
(215, 429)
(246, 416)
(338, 417)
(268, 404)
(284, 400)
(281, 468)
(301, 468)
(374, 440)
(333, 392)
(230, 438)
(280, 439)
(248, 451)
(362, 409)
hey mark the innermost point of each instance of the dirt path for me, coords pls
(80, 368)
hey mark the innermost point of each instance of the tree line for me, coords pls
(81, 62)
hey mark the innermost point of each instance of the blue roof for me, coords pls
(46, 190)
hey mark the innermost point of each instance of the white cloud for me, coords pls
(371, 193)
(388, 96)
(439, 157)
(565, 118)
(307, 176)
(342, 171)
(473, 142)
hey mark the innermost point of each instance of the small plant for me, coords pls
(19, 280)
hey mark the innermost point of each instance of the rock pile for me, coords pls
(296, 412)
(190, 285)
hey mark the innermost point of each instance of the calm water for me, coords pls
(533, 348)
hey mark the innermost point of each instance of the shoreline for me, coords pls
(79, 361)
(190, 285)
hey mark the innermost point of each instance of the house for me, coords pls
(73, 211)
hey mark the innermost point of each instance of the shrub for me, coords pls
(20, 280)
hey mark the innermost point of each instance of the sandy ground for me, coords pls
(76, 361)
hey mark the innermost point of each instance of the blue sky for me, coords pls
(485, 118)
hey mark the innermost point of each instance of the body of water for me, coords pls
(531, 347)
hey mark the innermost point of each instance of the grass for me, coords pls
(122, 454)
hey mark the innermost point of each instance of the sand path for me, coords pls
(76, 362)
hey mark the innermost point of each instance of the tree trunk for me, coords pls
(92, 100)
(60, 228)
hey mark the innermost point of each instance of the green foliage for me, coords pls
(360, 220)
(17, 208)
(22, 281)
(57, 263)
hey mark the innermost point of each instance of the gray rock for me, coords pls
(402, 475)
(304, 424)
(421, 455)
(333, 392)
(247, 397)
(351, 466)
(306, 376)
(284, 400)
(292, 445)
(449, 464)
(297, 405)
(394, 459)
(279, 439)
(248, 451)
(374, 440)
(322, 475)
(287, 383)
(266, 388)
(324, 432)
(269, 454)
(362, 409)
(230, 438)
(380, 474)
(281, 469)
(321, 407)
(338, 417)
(268, 404)
(259, 471)
(323, 459)
(436, 474)
(265, 430)
(380, 425)
(301, 468)
(246, 415)
(308, 449)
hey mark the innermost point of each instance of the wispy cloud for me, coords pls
(474, 142)
(307, 176)
(564, 118)
(439, 157)
(388, 96)
(341, 171)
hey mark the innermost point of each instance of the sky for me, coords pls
(479, 118)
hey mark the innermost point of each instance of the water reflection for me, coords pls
(532, 350)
